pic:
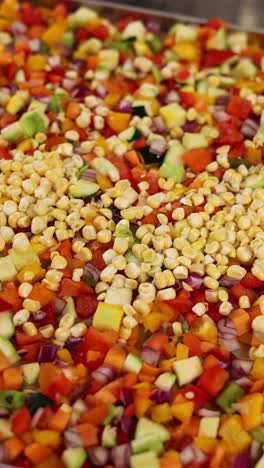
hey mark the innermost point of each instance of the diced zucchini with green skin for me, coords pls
(173, 114)
(202, 86)
(20, 76)
(156, 45)
(156, 74)
(231, 393)
(118, 296)
(148, 89)
(111, 415)
(216, 92)
(13, 132)
(9, 351)
(20, 260)
(30, 372)
(145, 460)
(132, 363)
(91, 46)
(147, 427)
(7, 328)
(83, 188)
(5, 431)
(8, 270)
(135, 29)
(81, 17)
(67, 39)
(254, 182)
(121, 46)
(237, 41)
(38, 105)
(74, 457)
(147, 443)
(187, 370)
(130, 134)
(218, 41)
(244, 69)
(184, 33)
(142, 108)
(194, 140)
(105, 167)
(109, 437)
(34, 122)
(108, 316)
(11, 399)
(172, 165)
(5, 38)
(165, 381)
(109, 58)
(258, 434)
(124, 232)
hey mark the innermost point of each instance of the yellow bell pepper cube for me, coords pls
(36, 62)
(166, 364)
(31, 273)
(250, 408)
(182, 351)
(141, 48)
(56, 30)
(185, 51)
(161, 413)
(153, 321)
(141, 405)
(205, 330)
(103, 181)
(64, 355)
(183, 411)
(257, 371)
(206, 444)
(50, 438)
(236, 438)
(108, 316)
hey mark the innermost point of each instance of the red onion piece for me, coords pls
(161, 396)
(72, 439)
(221, 116)
(36, 418)
(171, 97)
(124, 106)
(35, 47)
(158, 125)
(249, 128)
(244, 382)
(207, 413)
(187, 455)
(150, 356)
(255, 449)
(227, 281)
(98, 456)
(126, 396)
(89, 174)
(92, 271)
(54, 60)
(58, 305)
(68, 84)
(47, 353)
(17, 27)
(158, 147)
(194, 280)
(242, 460)
(226, 326)
(73, 344)
(243, 365)
(222, 100)
(4, 457)
(230, 345)
(103, 374)
(127, 425)
(4, 412)
(101, 90)
(153, 26)
(121, 455)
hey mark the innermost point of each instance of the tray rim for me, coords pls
(156, 13)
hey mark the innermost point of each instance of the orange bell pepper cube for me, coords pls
(60, 419)
(37, 453)
(206, 444)
(11, 296)
(13, 378)
(47, 437)
(14, 447)
(241, 320)
(88, 434)
(183, 411)
(95, 416)
(171, 459)
(213, 380)
(42, 294)
(250, 408)
(118, 121)
(198, 159)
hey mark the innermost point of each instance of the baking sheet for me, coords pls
(111, 10)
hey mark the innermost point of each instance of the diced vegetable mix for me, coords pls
(131, 240)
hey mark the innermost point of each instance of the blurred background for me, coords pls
(247, 13)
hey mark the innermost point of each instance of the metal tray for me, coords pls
(114, 11)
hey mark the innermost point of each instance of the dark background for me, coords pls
(248, 13)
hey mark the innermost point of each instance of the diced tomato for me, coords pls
(97, 340)
(181, 303)
(193, 344)
(239, 107)
(86, 305)
(187, 99)
(4, 306)
(30, 16)
(140, 175)
(250, 281)
(140, 143)
(213, 380)
(100, 32)
(216, 23)
(81, 33)
(157, 59)
(72, 288)
(239, 290)
(238, 150)
(45, 418)
(182, 74)
(60, 385)
(216, 57)
(22, 338)
(123, 22)
(21, 421)
(228, 134)
(30, 352)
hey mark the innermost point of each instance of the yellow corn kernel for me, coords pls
(182, 351)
